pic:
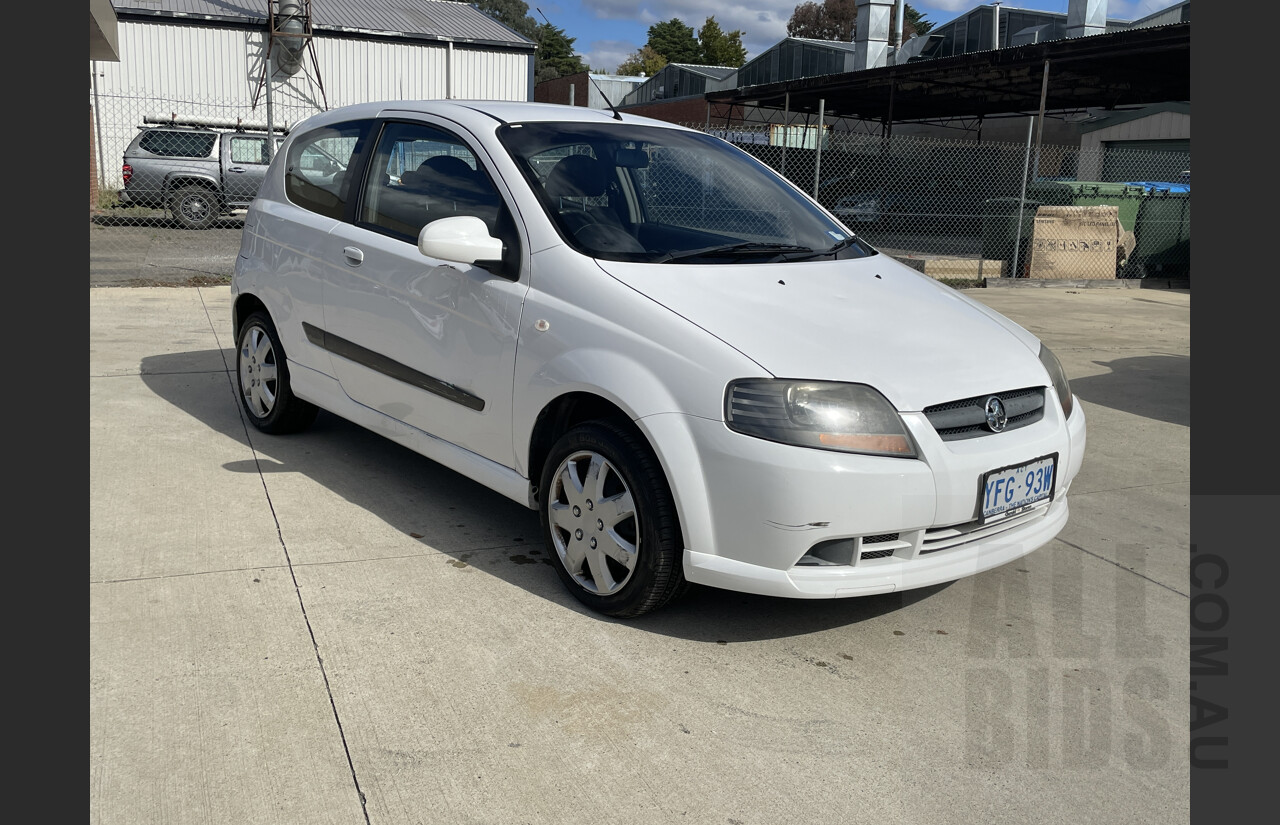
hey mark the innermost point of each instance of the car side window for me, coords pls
(420, 174)
(249, 150)
(173, 144)
(318, 170)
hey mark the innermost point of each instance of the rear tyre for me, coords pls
(609, 521)
(195, 207)
(263, 371)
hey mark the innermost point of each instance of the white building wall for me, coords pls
(611, 88)
(489, 75)
(216, 73)
(1158, 126)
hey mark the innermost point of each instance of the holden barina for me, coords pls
(691, 370)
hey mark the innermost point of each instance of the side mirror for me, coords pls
(464, 239)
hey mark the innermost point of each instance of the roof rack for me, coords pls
(234, 124)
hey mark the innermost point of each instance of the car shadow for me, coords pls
(473, 525)
(1152, 386)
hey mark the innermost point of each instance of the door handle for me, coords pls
(354, 256)
(236, 169)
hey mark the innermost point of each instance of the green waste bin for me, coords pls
(1126, 197)
(1162, 235)
(1000, 232)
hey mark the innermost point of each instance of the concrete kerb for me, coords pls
(1088, 283)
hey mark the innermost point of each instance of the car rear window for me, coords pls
(178, 144)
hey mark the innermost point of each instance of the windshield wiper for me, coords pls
(833, 250)
(744, 248)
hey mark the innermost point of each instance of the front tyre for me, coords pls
(263, 374)
(609, 520)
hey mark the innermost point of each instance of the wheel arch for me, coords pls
(668, 436)
(245, 305)
(181, 179)
(562, 414)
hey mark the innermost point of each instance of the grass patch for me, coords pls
(109, 203)
(963, 283)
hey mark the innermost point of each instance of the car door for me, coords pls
(426, 341)
(287, 235)
(243, 167)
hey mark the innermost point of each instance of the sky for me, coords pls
(607, 32)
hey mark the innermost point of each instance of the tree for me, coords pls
(554, 56)
(645, 61)
(718, 48)
(913, 23)
(514, 14)
(838, 20)
(674, 41)
(829, 20)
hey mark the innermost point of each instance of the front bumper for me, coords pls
(774, 519)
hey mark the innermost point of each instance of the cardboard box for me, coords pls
(942, 266)
(1075, 242)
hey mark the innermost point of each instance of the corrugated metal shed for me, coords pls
(681, 80)
(1177, 13)
(204, 59)
(609, 90)
(712, 72)
(795, 57)
(408, 19)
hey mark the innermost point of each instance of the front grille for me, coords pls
(967, 418)
(915, 544)
(944, 538)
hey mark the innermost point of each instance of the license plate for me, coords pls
(1010, 489)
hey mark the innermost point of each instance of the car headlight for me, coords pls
(851, 418)
(1059, 378)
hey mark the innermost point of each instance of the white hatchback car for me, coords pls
(689, 368)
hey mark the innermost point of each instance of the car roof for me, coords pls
(478, 114)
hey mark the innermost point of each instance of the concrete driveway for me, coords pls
(327, 628)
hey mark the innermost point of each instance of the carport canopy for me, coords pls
(1119, 69)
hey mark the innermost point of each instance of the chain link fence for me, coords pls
(978, 210)
(169, 181)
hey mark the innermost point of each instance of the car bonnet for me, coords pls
(868, 320)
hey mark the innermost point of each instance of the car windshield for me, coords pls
(625, 192)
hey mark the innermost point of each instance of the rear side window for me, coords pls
(178, 144)
(249, 150)
(318, 170)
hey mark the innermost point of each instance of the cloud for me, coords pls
(605, 55)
